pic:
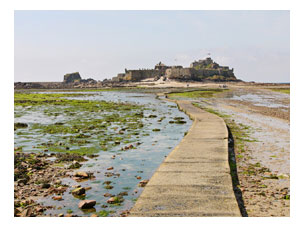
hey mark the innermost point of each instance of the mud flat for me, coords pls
(259, 121)
(194, 180)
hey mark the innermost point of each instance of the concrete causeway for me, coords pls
(194, 179)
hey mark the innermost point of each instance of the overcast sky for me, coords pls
(100, 44)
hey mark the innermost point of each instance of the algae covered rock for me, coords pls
(79, 191)
(20, 125)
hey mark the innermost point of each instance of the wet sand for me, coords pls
(265, 191)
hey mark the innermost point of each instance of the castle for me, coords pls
(201, 70)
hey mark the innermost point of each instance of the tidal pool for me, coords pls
(148, 126)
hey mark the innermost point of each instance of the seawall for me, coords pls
(194, 179)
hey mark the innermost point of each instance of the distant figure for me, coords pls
(187, 85)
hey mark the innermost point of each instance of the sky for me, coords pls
(100, 44)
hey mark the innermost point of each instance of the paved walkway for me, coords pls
(194, 180)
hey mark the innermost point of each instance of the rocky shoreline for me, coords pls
(35, 176)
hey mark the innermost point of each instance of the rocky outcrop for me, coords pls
(72, 77)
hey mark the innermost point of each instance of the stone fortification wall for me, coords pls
(199, 70)
(137, 75)
(180, 73)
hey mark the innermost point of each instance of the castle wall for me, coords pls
(180, 73)
(199, 70)
(137, 75)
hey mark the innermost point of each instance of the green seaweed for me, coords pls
(202, 93)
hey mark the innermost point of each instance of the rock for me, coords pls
(82, 174)
(20, 125)
(16, 203)
(39, 209)
(108, 195)
(76, 186)
(123, 194)
(61, 215)
(138, 177)
(79, 191)
(143, 183)
(115, 199)
(86, 204)
(57, 198)
(110, 168)
(108, 187)
(87, 188)
(125, 213)
(71, 78)
(152, 116)
(46, 185)
(75, 165)
(57, 182)
(94, 215)
(22, 181)
(17, 211)
(26, 212)
(109, 174)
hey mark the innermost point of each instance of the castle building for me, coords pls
(200, 70)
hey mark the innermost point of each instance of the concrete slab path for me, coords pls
(194, 179)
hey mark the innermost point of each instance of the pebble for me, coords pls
(143, 183)
(107, 195)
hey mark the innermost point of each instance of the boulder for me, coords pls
(86, 204)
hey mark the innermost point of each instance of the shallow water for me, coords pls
(142, 161)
